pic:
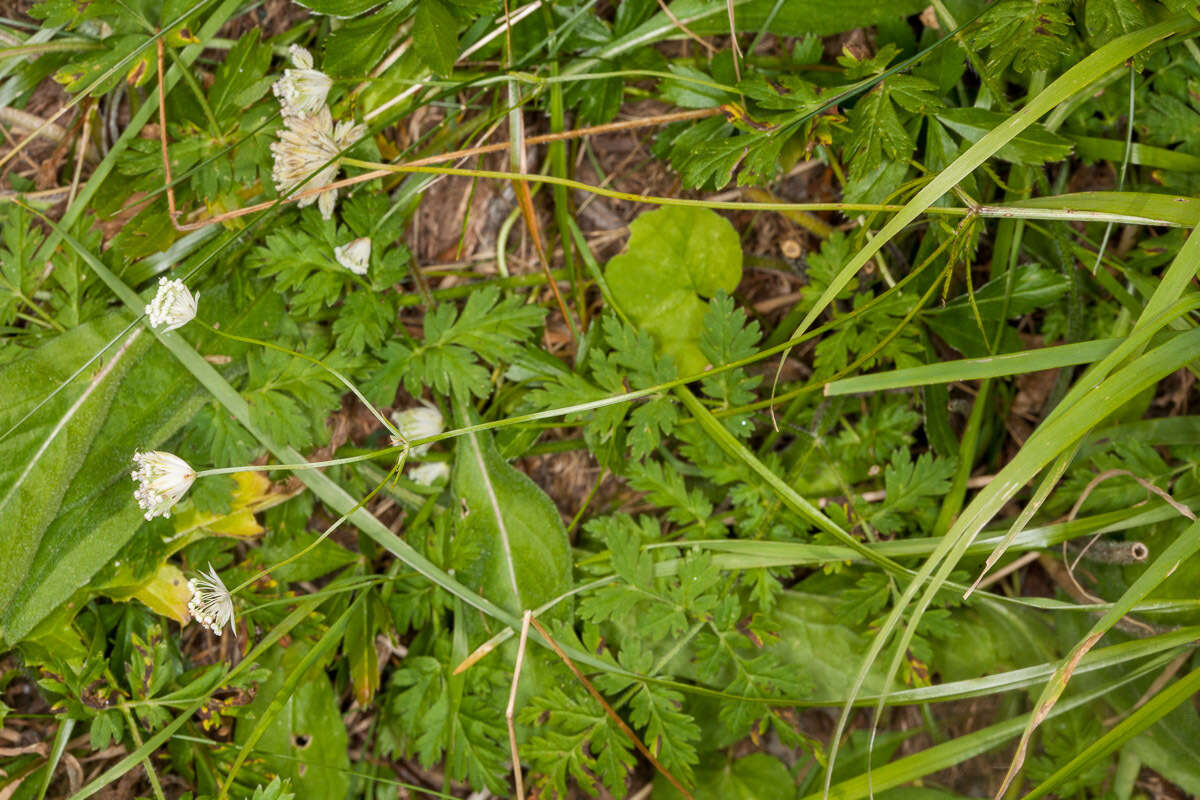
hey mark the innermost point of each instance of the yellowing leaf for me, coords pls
(253, 494)
(166, 593)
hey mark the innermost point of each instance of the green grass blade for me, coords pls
(968, 369)
(1185, 546)
(1073, 80)
(956, 751)
(1155, 709)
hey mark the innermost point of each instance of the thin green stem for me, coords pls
(345, 381)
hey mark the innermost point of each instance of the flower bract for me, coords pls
(163, 479)
(173, 305)
(211, 604)
(301, 91)
(419, 422)
(309, 146)
(429, 473)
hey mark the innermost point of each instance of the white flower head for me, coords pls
(163, 479)
(211, 604)
(355, 256)
(429, 473)
(419, 422)
(301, 91)
(310, 146)
(173, 306)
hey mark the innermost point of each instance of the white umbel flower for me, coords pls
(419, 422)
(429, 473)
(355, 256)
(309, 146)
(163, 479)
(173, 306)
(301, 91)
(211, 604)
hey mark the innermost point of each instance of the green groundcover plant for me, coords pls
(746, 399)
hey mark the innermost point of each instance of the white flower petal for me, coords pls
(302, 91)
(429, 473)
(306, 147)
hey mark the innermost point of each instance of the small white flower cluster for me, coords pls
(173, 305)
(211, 604)
(355, 256)
(163, 479)
(309, 142)
(421, 422)
(301, 91)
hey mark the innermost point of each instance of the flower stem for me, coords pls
(345, 381)
(324, 535)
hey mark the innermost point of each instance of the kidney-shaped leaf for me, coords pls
(675, 256)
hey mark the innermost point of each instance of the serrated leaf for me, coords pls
(1028, 34)
(435, 36)
(240, 80)
(355, 47)
(1035, 145)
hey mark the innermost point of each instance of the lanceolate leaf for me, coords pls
(46, 451)
(527, 553)
(149, 399)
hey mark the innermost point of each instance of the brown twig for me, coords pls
(1083, 496)
(609, 710)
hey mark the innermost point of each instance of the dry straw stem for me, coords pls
(594, 130)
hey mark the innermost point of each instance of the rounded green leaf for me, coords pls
(675, 256)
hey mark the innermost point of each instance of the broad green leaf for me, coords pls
(526, 553)
(44, 453)
(675, 256)
(98, 514)
(166, 593)
(305, 739)
(811, 635)
(435, 36)
(1171, 746)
